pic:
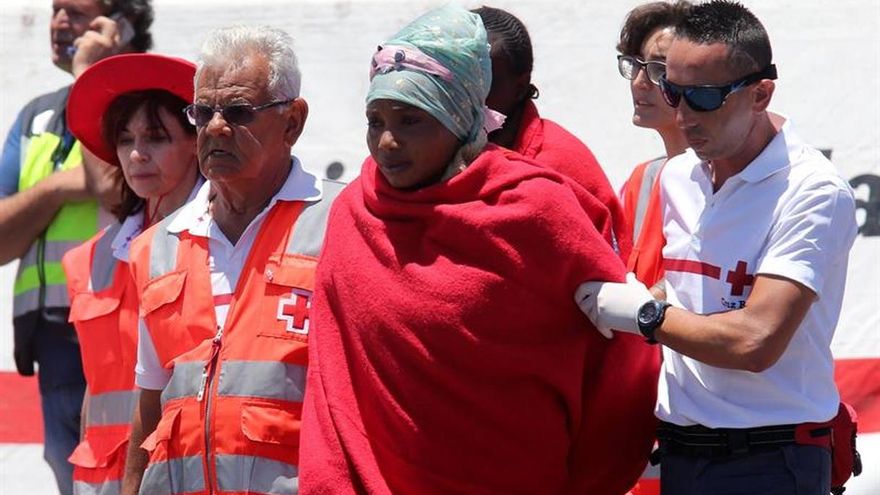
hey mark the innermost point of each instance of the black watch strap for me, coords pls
(650, 317)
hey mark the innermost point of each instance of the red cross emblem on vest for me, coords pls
(739, 279)
(294, 310)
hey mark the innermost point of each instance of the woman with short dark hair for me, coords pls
(644, 40)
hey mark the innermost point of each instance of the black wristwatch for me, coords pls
(650, 317)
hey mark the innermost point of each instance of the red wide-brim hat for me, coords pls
(97, 87)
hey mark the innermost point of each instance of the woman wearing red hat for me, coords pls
(128, 111)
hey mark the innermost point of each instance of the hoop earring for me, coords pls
(533, 92)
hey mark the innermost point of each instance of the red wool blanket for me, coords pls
(447, 354)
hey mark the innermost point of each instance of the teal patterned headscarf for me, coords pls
(439, 63)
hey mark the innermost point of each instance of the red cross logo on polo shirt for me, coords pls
(739, 279)
(295, 311)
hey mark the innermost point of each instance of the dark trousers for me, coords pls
(788, 470)
(62, 386)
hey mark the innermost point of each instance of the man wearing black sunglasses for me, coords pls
(226, 285)
(758, 226)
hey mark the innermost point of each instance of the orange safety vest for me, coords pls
(231, 412)
(641, 205)
(104, 312)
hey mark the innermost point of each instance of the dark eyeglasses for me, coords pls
(629, 68)
(236, 114)
(710, 98)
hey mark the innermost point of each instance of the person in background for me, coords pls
(49, 204)
(644, 41)
(758, 228)
(447, 355)
(225, 285)
(128, 111)
(524, 131)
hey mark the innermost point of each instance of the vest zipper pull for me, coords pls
(206, 371)
(203, 384)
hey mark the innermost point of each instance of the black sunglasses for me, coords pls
(710, 98)
(236, 114)
(629, 68)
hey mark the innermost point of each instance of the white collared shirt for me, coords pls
(130, 229)
(789, 214)
(225, 260)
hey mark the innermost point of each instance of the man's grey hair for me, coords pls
(232, 45)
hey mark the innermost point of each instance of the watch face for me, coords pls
(648, 313)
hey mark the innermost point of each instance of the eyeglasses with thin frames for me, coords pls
(236, 114)
(629, 68)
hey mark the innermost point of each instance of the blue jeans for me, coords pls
(62, 387)
(61, 416)
(789, 470)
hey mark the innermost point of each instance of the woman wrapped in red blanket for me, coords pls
(446, 353)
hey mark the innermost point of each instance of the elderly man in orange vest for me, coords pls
(225, 285)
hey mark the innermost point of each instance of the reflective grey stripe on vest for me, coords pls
(56, 294)
(163, 248)
(56, 297)
(263, 379)
(185, 380)
(24, 147)
(249, 474)
(111, 408)
(308, 231)
(175, 476)
(113, 487)
(104, 263)
(51, 102)
(648, 179)
(53, 251)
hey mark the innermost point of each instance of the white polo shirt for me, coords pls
(789, 214)
(225, 260)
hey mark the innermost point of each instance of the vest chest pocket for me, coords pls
(162, 434)
(270, 423)
(160, 292)
(287, 300)
(96, 321)
(269, 466)
(100, 448)
(168, 315)
(87, 306)
(168, 471)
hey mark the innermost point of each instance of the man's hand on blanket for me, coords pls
(613, 306)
